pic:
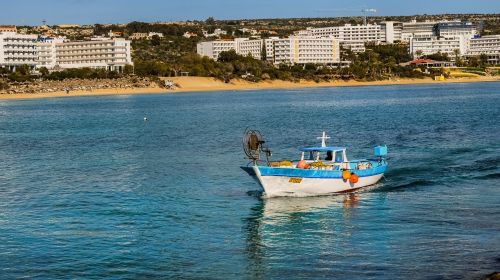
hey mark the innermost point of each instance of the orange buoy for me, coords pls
(302, 164)
(346, 175)
(354, 178)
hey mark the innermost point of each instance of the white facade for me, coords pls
(433, 44)
(246, 47)
(366, 33)
(456, 29)
(487, 45)
(306, 49)
(17, 49)
(46, 52)
(353, 37)
(390, 31)
(242, 46)
(269, 43)
(55, 53)
(417, 29)
(111, 54)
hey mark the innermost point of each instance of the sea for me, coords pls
(150, 186)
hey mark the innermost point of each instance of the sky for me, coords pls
(33, 12)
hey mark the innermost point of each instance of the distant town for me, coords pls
(367, 47)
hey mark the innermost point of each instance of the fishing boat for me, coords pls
(321, 170)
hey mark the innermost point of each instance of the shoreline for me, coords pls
(202, 84)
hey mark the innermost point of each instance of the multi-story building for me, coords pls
(56, 53)
(212, 49)
(455, 29)
(390, 31)
(253, 48)
(428, 45)
(305, 50)
(242, 46)
(348, 32)
(269, 45)
(46, 52)
(353, 37)
(486, 45)
(414, 28)
(8, 28)
(110, 54)
(17, 49)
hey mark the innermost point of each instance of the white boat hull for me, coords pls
(291, 186)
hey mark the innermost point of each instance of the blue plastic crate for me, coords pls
(381, 151)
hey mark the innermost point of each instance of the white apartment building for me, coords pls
(212, 49)
(17, 49)
(390, 31)
(46, 52)
(242, 46)
(456, 29)
(433, 44)
(306, 49)
(269, 45)
(110, 54)
(351, 36)
(488, 45)
(246, 47)
(348, 32)
(414, 28)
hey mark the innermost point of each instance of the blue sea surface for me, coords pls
(89, 190)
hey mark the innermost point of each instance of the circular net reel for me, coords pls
(252, 145)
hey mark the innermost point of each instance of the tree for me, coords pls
(128, 69)
(228, 56)
(44, 71)
(210, 21)
(483, 59)
(23, 70)
(155, 40)
(419, 53)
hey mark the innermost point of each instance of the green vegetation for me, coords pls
(173, 54)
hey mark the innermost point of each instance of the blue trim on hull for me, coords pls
(325, 174)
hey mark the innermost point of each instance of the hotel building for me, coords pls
(351, 36)
(305, 50)
(104, 53)
(17, 49)
(414, 28)
(428, 45)
(488, 45)
(46, 52)
(390, 31)
(56, 53)
(456, 29)
(242, 46)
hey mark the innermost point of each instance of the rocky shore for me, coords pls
(69, 85)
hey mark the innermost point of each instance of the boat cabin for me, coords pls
(326, 154)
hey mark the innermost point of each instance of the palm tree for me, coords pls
(418, 53)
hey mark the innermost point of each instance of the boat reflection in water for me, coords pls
(293, 226)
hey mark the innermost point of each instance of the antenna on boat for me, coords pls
(323, 139)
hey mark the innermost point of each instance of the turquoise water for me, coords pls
(89, 190)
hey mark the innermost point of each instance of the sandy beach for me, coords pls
(193, 84)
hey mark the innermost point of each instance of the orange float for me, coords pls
(303, 164)
(354, 178)
(346, 175)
